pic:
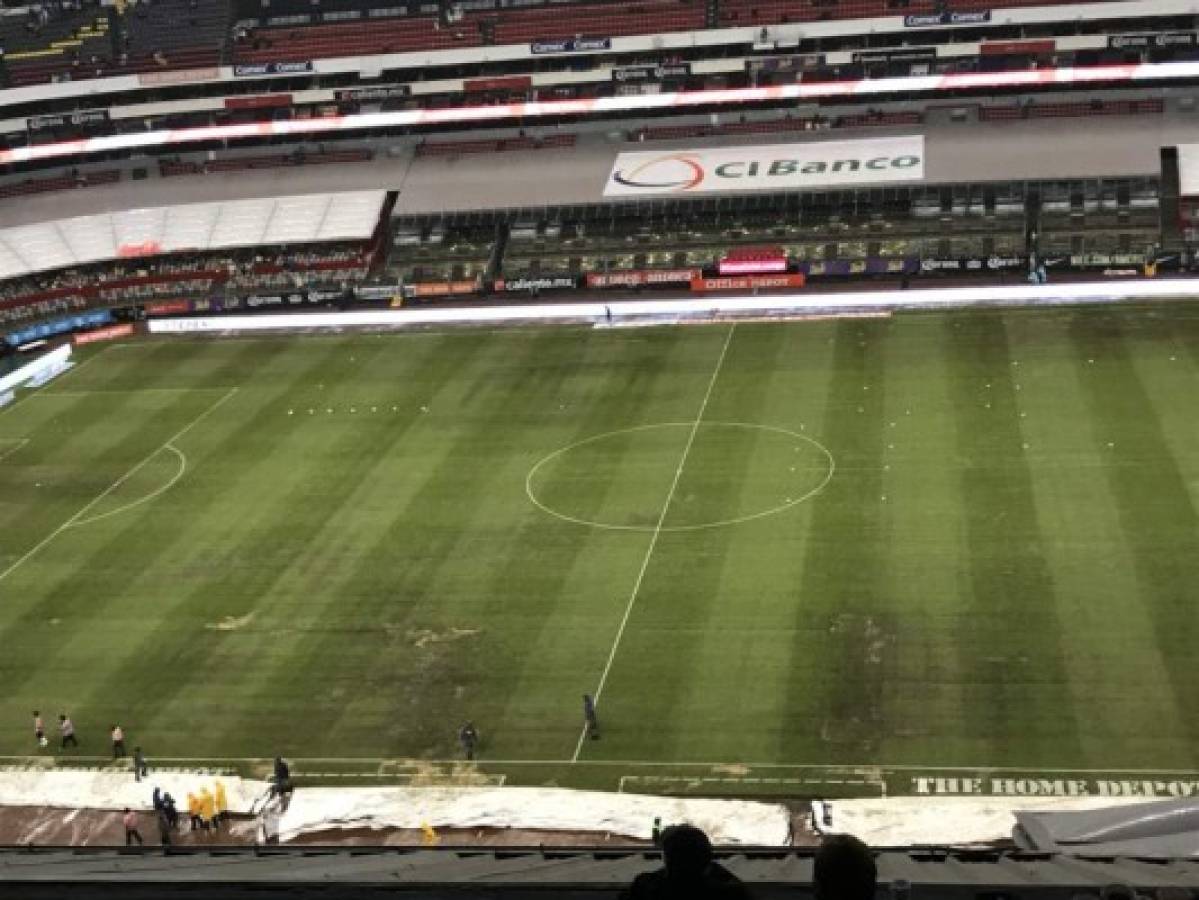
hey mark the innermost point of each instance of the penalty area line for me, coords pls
(116, 484)
(653, 541)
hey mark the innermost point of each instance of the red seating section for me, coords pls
(361, 38)
(372, 36)
(1059, 110)
(457, 148)
(680, 132)
(772, 12)
(169, 169)
(600, 20)
(62, 183)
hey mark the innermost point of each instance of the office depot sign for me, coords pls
(747, 283)
(773, 167)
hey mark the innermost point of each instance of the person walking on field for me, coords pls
(193, 811)
(468, 737)
(221, 803)
(67, 729)
(140, 769)
(118, 742)
(590, 718)
(207, 808)
(131, 832)
(39, 729)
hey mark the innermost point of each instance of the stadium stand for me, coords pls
(170, 168)
(55, 41)
(457, 148)
(772, 12)
(871, 118)
(1032, 110)
(146, 37)
(326, 267)
(65, 182)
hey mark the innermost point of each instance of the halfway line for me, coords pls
(116, 484)
(653, 541)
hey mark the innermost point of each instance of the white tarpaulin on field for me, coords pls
(321, 809)
(946, 821)
(74, 789)
(771, 167)
(542, 809)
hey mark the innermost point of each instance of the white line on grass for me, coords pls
(115, 391)
(116, 484)
(180, 457)
(37, 392)
(653, 541)
(17, 444)
(843, 768)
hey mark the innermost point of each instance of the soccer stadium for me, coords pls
(675, 448)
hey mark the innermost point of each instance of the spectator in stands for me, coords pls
(844, 869)
(689, 873)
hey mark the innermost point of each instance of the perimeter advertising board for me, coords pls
(772, 167)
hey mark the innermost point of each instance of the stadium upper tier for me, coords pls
(91, 41)
(193, 227)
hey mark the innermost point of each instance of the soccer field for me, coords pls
(789, 558)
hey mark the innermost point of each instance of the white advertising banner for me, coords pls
(772, 167)
(1188, 170)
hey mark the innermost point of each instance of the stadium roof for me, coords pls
(300, 219)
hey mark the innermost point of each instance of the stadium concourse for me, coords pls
(344, 407)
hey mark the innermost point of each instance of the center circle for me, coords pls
(713, 474)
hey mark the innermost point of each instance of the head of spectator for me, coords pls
(690, 871)
(844, 869)
(687, 853)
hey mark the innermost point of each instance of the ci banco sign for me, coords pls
(773, 167)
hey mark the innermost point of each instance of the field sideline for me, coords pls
(816, 558)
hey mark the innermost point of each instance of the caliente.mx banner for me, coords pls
(773, 167)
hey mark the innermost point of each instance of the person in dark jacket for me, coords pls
(844, 869)
(690, 872)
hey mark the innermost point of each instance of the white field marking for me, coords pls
(116, 484)
(844, 768)
(179, 455)
(17, 444)
(648, 781)
(49, 392)
(37, 392)
(607, 526)
(653, 541)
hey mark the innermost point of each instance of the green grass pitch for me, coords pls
(783, 550)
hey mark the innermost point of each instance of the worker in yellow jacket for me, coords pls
(194, 812)
(207, 806)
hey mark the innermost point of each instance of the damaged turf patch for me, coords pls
(230, 623)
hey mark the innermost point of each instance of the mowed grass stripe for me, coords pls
(648, 706)
(1010, 637)
(926, 552)
(1117, 683)
(1158, 519)
(842, 606)
(571, 584)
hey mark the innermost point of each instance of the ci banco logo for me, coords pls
(672, 172)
